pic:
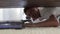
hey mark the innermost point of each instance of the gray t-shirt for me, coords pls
(45, 13)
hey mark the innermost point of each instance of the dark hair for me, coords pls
(26, 8)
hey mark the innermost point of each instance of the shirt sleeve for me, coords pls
(46, 13)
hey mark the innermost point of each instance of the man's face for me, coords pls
(33, 12)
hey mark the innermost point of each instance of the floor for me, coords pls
(41, 30)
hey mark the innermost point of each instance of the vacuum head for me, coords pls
(11, 25)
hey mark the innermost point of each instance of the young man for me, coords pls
(40, 16)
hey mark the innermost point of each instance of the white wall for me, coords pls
(14, 14)
(9, 14)
(1, 14)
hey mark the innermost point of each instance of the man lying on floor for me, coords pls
(41, 16)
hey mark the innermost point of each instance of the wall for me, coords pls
(9, 14)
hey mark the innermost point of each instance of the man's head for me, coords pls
(32, 12)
